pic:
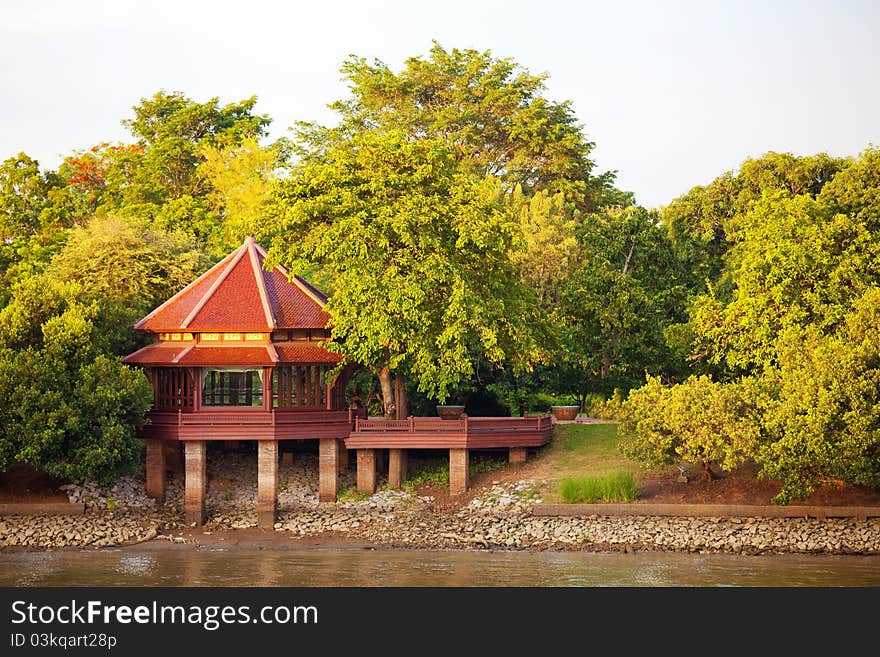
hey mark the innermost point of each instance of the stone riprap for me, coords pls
(92, 530)
(498, 517)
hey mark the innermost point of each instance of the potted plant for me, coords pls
(453, 409)
(450, 411)
(565, 413)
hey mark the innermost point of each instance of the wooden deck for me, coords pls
(248, 424)
(358, 432)
(466, 433)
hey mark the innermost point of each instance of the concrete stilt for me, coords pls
(328, 469)
(517, 455)
(396, 467)
(196, 480)
(267, 482)
(366, 473)
(156, 469)
(458, 471)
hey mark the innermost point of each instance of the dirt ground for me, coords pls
(21, 483)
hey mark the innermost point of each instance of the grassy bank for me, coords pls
(582, 453)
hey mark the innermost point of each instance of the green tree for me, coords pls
(68, 408)
(419, 252)
(31, 222)
(240, 177)
(127, 266)
(614, 307)
(491, 112)
(821, 418)
(696, 421)
(551, 250)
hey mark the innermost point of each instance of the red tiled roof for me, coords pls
(305, 353)
(156, 354)
(263, 355)
(227, 357)
(237, 294)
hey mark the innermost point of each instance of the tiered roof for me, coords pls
(237, 295)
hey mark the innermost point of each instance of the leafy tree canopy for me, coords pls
(419, 253)
(489, 111)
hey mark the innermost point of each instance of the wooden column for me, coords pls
(366, 474)
(196, 481)
(517, 455)
(156, 469)
(396, 467)
(328, 469)
(267, 482)
(458, 471)
(287, 457)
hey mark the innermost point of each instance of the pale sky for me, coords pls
(672, 93)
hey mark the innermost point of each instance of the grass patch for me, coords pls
(351, 494)
(480, 463)
(429, 471)
(617, 487)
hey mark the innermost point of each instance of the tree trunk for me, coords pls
(387, 393)
(708, 473)
(400, 397)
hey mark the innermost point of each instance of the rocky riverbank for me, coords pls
(498, 517)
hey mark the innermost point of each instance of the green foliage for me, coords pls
(73, 417)
(127, 266)
(419, 254)
(480, 463)
(432, 470)
(350, 493)
(240, 176)
(490, 112)
(614, 306)
(696, 421)
(617, 487)
(821, 407)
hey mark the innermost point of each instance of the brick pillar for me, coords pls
(196, 481)
(328, 469)
(517, 455)
(366, 478)
(458, 471)
(342, 459)
(156, 469)
(267, 482)
(396, 467)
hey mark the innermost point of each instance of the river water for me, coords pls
(391, 568)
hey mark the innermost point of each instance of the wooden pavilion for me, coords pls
(239, 354)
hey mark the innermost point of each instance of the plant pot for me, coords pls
(565, 412)
(450, 412)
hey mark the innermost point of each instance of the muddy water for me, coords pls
(360, 567)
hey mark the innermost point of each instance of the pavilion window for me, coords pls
(232, 386)
(174, 387)
(299, 386)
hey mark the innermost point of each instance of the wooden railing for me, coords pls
(464, 425)
(257, 417)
